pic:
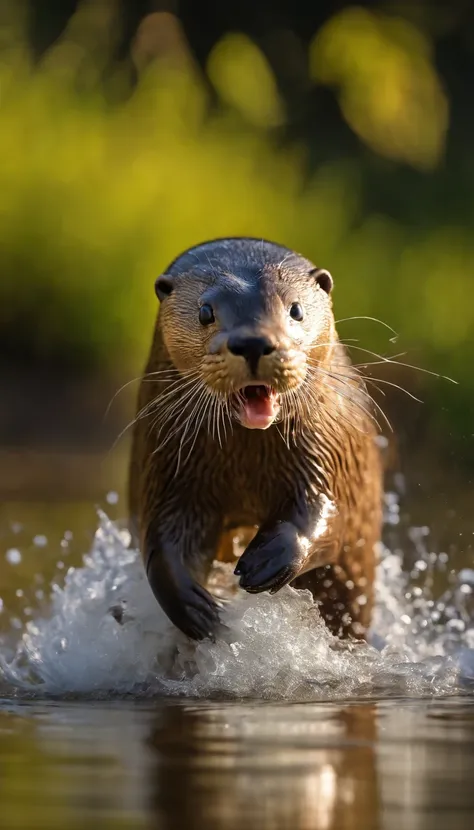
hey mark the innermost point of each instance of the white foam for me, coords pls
(106, 635)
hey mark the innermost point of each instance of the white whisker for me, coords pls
(372, 319)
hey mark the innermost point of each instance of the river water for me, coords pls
(194, 764)
(108, 716)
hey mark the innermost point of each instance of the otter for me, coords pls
(251, 416)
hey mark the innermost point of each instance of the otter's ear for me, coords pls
(323, 279)
(163, 287)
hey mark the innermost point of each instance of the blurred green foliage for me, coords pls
(99, 191)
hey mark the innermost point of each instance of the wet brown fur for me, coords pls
(190, 492)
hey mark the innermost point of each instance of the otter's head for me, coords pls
(251, 319)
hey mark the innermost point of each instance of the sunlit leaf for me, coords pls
(244, 79)
(387, 85)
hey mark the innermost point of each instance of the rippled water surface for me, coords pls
(109, 716)
(174, 764)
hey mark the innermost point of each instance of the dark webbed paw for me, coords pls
(188, 605)
(194, 611)
(272, 560)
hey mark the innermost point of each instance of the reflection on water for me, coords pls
(238, 766)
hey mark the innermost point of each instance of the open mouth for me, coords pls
(257, 406)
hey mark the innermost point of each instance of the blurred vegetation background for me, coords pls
(131, 130)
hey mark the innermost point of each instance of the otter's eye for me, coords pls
(206, 315)
(296, 311)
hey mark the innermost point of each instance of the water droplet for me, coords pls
(112, 497)
(13, 556)
(400, 484)
(16, 527)
(467, 575)
(421, 565)
(455, 625)
(40, 540)
(19, 592)
(125, 537)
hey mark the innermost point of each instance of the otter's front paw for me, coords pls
(272, 560)
(192, 609)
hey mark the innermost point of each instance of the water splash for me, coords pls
(104, 635)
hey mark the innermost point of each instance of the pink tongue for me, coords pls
(258, 412)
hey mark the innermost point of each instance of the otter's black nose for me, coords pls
(251, 348)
